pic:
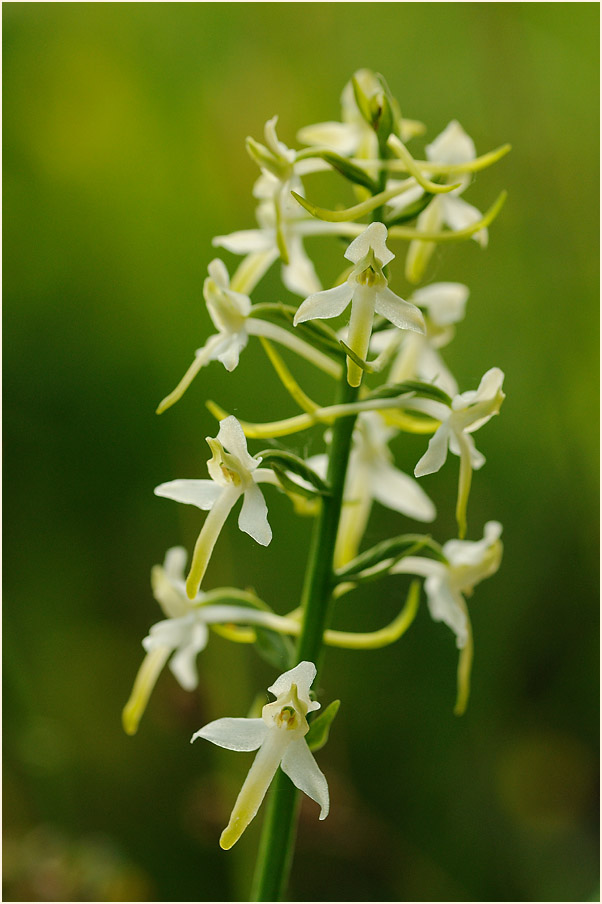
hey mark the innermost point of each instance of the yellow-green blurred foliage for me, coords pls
(123, 156)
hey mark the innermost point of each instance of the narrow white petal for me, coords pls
(246, 241)
(175, 562)
(299, 764)
(253, 518)
(446, 605)
(146, 679)
(323, 305)
(299, 275)
(234, 734)
(402, 493)
(435, 456)
(202, 493)
(401, 313)
(230, 353)
(219, 274)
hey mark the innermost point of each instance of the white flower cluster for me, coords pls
(388, 350)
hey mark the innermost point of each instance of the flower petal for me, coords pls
(373, 238)
(444, 301)
(183, 663)
(234, 734)
(453, 145)
(245, 241)
(230, 352)
(302, 676)
(299, 275)
(322, 305)
(458, 214)
(435, 456)
(338, 136)
(446, 605)
(401, 493)
(401, 313)
(253, 518)
(202, 493)
(299, 764)
(232, 437)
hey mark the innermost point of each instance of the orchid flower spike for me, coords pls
(367, 289)
(468, 411)
(469, 563)
(279, 738)
(234, 473)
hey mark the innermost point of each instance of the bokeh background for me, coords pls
(124, 128)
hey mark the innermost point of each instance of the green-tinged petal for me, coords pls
(256, 784)
(302, 676)
(360, 329)
(201, 493)
(339, 136)
(464, 482)
(444, 301)
(452, 145)
(299, 274)
(208, 537)
(373, 238)
(421, 566)
(435, 456)
(245, 241)
(253, 518)
(324, 305)
(149, 671)
(299, 764)
(401, 313)
(234, 734)
(183, 663)
(420, 252)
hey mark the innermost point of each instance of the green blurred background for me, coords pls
(123, 156)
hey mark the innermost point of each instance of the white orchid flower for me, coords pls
(418, 355)
(234, 473)
(366, 288)
(447, 585)
(232, 315)
(372, 477)
(452, 146)
(283, 224)
(354, 135)
(468, 411)
(279, 738)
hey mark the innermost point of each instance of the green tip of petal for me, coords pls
(130, 719)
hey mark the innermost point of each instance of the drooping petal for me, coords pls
(446, 605)
(149, 671)
(208, 537)
(299, 764)
(419, 252)
(401, 493)
(230, 353)
(201, 493)
(253, 518)
(401, 313)
(302, 676)
(183, 663)
(458, 214)
(435, 456)
(241, 735)
(255, 785)
(245, 241)
(322, 305)
(299, 275)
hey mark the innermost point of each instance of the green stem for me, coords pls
(278, 834)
